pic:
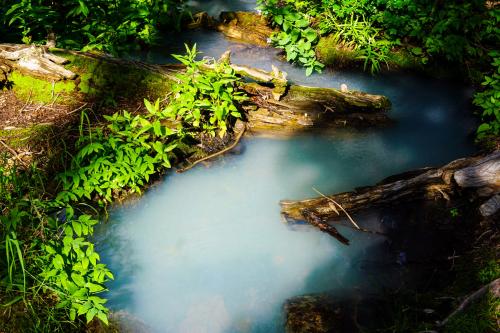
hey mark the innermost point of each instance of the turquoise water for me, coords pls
(206, 251)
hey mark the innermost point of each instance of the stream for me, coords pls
(206, 250)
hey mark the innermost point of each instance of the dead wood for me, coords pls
(426, 184)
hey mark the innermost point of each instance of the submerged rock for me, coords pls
(320, 313)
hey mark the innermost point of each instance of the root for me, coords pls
(223, 151)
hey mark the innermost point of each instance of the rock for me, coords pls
(322, 313)
(318, 314)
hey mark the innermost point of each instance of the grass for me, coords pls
(482, 317)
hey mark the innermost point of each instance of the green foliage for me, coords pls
(454, 212)
(359, 34)
(120, 158)
(48, 253)
(296, 37)
(206, 100)
(111, 26)
(489, 272)
(489, 100)
(450, 29)
(71, 267)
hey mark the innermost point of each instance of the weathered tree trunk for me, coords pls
(34, 61)
(274, 106)
(481, 174)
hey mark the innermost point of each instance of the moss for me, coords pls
(403, 59)
(108, 80)
(38, 90)
(22, 137)
(329, 52)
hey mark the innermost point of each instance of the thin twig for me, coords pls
(77, 109)
(338, 205)
(27, 102)
(13, 152)
(236, 141)
(55, 99)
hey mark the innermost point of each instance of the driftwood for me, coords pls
(34, 61)
(301, 108)
(491, 206)
(425, 184)
(484, 175)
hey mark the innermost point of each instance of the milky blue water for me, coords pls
(206, 251)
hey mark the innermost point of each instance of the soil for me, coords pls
(17, 113)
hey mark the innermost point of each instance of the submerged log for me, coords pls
(274, 107)
(474, 173)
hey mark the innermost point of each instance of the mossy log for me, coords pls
(478, 174)
(246, 27)
(274, 106)
(303, 108)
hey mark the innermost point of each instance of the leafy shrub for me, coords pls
(206, 100)
(489, 100)
(71, 267)
(120, 158)
(296, 37)
(47, 252)
(111, 26)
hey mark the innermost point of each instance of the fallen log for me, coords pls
(274, 107)
(474, 173)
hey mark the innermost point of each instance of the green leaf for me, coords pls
(58, 262)
(91, 314)
(310, 34)
(77, 227)
(78, 279)
(309, 71)
(103, 317)
(72, 314)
